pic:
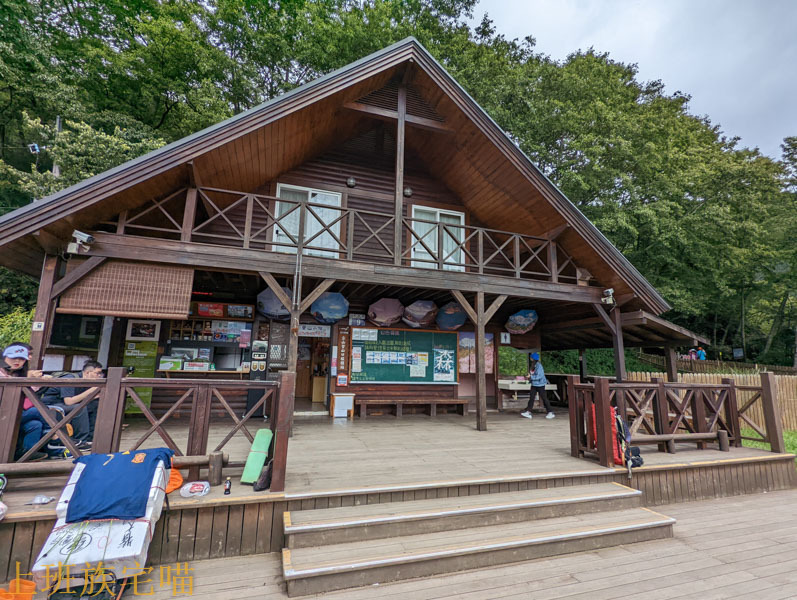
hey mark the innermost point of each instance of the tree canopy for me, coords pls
(710, 223)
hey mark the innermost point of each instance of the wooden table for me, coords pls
(514, 386)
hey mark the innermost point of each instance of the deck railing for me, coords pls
(255, 221)
(665, 413)
(115, 391)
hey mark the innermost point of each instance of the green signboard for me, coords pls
(140, 355)
(403, 356)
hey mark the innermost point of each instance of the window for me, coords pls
(453, 233)
(317, 220)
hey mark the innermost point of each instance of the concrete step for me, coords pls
(307, 528)
(340, 566)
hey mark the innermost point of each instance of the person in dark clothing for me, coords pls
(68, 398)
(31, 424)
(538, 381)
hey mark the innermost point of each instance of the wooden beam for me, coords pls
(481, 365)
(193, 175)
(45, 311)
(553, 262)
(392, 116)
(555, 232)
(75, 275)
(463, 302)
(496, 304)
(604, 317)
(671, 363)
(277, 289)
(315, 294)
(48, 242)
(189, 214)
(618, 344)
(582, 364)
(399, 191)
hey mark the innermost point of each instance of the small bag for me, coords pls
(264, 481)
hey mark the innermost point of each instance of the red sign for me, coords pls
(208, 309)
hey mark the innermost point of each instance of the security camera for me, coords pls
(83, 238)
(608, 296)
(608, 292)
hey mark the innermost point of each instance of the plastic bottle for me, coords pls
(227, 487)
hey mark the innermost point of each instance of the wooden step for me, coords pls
(340, 566)
(307, 528)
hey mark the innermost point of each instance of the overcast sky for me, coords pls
(737, 59)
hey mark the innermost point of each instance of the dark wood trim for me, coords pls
(189, 215)
(75, 275)
(45, 310)
(671, 363)
(388, 115)
(399, 191)
(618, 345)
(481, 368)
(315, 294)
(277, 289)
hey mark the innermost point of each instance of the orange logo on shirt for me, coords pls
(139, 458)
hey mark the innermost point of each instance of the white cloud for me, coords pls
(734, 57)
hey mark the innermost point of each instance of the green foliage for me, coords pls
(15, 326)
(600, 361)
(16, 290)
(789, 438)
(512, 362)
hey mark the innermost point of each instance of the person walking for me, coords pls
(538, 381)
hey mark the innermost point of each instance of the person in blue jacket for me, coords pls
(701, 354)
(538, 381)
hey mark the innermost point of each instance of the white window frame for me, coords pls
(332, 252)
(417, 247)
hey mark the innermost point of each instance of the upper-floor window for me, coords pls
(319, 234)
(430, 226)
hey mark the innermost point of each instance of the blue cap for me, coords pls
(535, 356)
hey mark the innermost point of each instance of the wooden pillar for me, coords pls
(772, 416)
(619, 346)
(199, 426)
(671, 363)
(582, 364)
(110, 413)
(732, 411)
(189, 215)
(576, 417)
(399, 198)
(45, 311)
(603, 422)
(481, 367)
(661, 412)
(281, 425)
(10, 415)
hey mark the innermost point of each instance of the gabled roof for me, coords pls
(501, 186)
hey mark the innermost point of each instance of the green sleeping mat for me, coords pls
(257, 456)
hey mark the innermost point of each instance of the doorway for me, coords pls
(312, 376)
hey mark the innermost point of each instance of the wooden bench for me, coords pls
(363, 403)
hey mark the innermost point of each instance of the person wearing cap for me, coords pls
(538, 381)
(31, 424)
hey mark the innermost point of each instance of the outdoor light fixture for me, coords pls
(351, 182)
(408, 191)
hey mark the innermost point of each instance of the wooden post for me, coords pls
(199, 426)
(282, 427)
(671, 363)
(10, 415)
(189, 215)
(732, 412)
(553, 263)
(772, 417)
(603, 422)
(576, 419)
(399, 202)
(110, 412)
(699, 415)
(661, 415)
(215, 468)
(45, 311)
(481, 375)
(582, 364)
(619, 347)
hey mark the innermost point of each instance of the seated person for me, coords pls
(31, 424)
(68, 398)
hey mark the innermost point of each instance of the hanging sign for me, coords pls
(313, 330)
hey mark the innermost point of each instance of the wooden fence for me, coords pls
(664, 413)
(717, 366)
(112, 393)
(786, 388)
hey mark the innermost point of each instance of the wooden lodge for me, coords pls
(383, 179)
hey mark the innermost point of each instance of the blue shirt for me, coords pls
(538, 376)
(701, 355)
(115, 486)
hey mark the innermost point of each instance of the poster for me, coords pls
(417, 371)
(467, 352)
(444, 366)
(141, 356)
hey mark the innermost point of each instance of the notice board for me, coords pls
(408, 356)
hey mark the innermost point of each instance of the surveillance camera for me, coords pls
(608, 292)
(83, 238)
(607, 300)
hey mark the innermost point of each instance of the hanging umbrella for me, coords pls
(269, 305)
(451, 317)
(521, 322)
(385, 312)
(420, 313)
(330, 308)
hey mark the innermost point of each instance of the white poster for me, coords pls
(444, 365)
(417, 371)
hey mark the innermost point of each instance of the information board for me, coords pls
(403, 356)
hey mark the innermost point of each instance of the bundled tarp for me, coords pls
(451, 316)
(385, 312)
(522, 321)
(270, 306)
(420, 313)
(330, 308)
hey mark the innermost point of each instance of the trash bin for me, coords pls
(342, 405)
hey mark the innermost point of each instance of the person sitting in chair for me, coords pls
(68, 398)
(538, 381)
(31, 423)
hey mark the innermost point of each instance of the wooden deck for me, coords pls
(730, 548)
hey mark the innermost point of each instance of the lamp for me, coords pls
(407, 191)
(351, 182)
